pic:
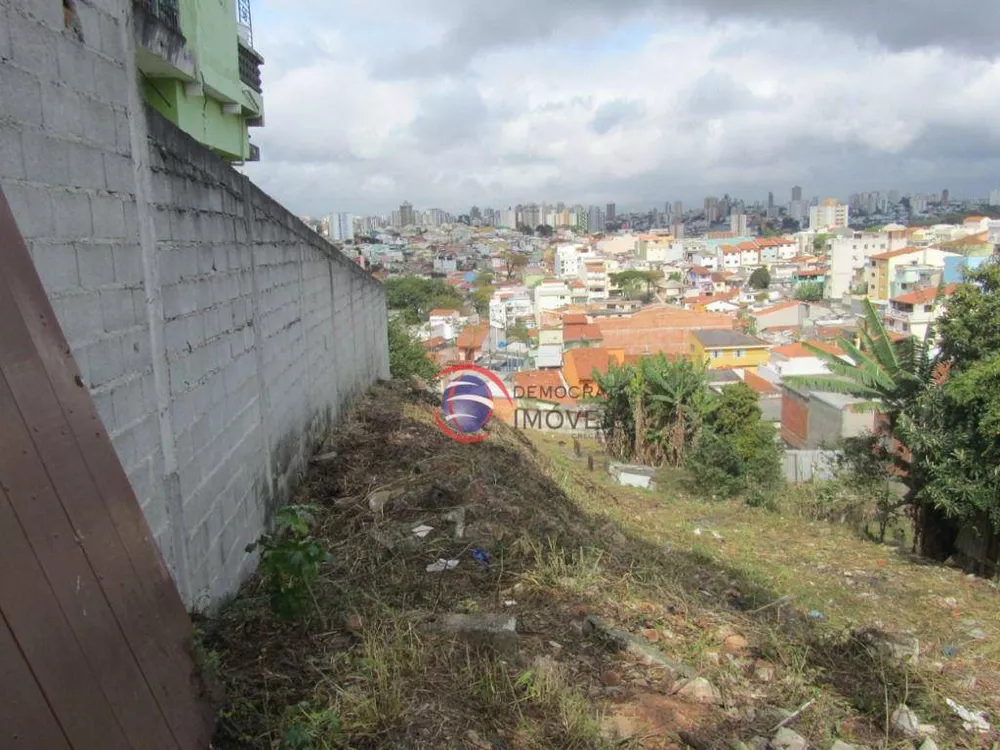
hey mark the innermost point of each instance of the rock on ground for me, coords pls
(788, 739)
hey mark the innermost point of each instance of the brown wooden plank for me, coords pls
(138, 586)
(26, 720)
(55, 543)
(46, 640)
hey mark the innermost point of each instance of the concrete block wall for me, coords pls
(219, 336)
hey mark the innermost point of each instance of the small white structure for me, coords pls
(633, 475)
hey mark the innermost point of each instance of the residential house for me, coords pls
(796, 359)
(913, 313)
(768, 395)
(550, 336)
(782, 315)
(814, 419)
(581, 335)
(579, 366)
(197, 67)
(594, 274)
(849, 255)
(444, 323)
(915, 276)
(732, 256)
(700, 278)
(471, 341)
(548, 356)
(551, 294)
(727, 349)
(659, 328)
(882, 267)
(749, 254)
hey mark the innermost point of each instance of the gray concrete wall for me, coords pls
(219, 336)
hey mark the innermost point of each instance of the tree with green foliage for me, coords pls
(518, 332)
(514, 263)
(737, 453)
(416, 297)
(481, 299)
(819, 242)
(544, 230)
(810, 291)
(956, 443)
(636, 284)
(407, 356)
(760, 278)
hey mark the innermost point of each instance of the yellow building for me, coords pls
(720, 349)
(882, 267)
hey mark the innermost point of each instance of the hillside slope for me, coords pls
(643, 619)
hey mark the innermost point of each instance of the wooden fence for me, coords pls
(95, 647)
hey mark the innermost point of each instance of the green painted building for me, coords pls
(199, 69)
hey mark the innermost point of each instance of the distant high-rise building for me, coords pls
(406, 215)
(678, 210)
(532, 215)
(994, 199)
(796, 193)
(944, 196)
(770, 201)
(678, 230)
(610, 213)
(738, 224)
(831, 214)
(341, 227)
(595, 219)
(711, 209)
(893, 197)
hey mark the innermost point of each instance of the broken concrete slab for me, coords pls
(495, 631)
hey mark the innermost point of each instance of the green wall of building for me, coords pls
(210, 30)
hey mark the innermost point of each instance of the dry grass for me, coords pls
(565, 543)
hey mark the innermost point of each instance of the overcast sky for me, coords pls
(450, 103)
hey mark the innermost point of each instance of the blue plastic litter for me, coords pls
(481, 557)
(949, 651)
(816, 614)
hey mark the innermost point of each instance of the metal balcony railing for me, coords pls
(166, 11)
(249, 68)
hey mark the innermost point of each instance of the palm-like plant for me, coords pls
(885, 374)
(678, 401)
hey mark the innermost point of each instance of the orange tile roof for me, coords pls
(434, 343)
(582, 332)
(659, 328)
(778, 307)
(799, 350)
(811, 272)
(542, 385)
(974, 219)
(921, 296)
(700, 271)
(473, 337)
(588, 359)
(730, 250)
(442, 312)
(894, 253)
(758, 384)
(748, 246)
(577, 284)
(574, 319)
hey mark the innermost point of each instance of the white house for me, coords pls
(444, 323)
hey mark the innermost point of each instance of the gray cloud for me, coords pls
(502, 24)
(449, 120)
(614, 113)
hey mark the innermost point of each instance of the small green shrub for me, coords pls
(289, 560)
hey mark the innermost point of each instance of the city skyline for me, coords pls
(637, 102)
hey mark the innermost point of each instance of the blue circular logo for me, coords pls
(467, 403)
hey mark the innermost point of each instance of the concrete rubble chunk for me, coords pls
(904, 720)
(699, 690)
(457, 517)
(789, 739)
(323, 458)
(929, 744)
(493, 631)
(841, 745)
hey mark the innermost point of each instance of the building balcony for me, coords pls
(250, 63)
